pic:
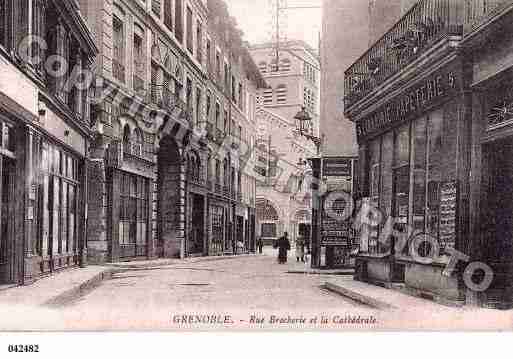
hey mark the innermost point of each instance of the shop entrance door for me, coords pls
(497, 199)
(6, 216)
(195, 245)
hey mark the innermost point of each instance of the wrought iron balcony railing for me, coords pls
(424, 24)
(171, 101)
(476, 12)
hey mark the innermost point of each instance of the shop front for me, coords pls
(7, 178)
(413, 165)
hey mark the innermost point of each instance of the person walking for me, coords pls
(283, 248)
(260, 245)
(300, 249)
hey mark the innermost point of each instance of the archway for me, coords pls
(268, 218)
(170, 201)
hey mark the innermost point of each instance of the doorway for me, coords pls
(497, 199)
(196, 244)
(6, 218)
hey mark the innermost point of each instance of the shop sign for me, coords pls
(448, 207)
(334, 231)
(336, 167)
(416, 99)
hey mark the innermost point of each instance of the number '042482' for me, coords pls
(32, 348)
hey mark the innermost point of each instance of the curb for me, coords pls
(176, 261)
(320, 272)
(70, 295)
(357, 297)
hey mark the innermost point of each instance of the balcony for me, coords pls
(426, 23)
(239, 197)
(171, 101)
(478, 12)
(226, 191)
(218, 188)
(133, 149)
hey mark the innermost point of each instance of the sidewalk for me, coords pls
(376, 297)
(57, 288)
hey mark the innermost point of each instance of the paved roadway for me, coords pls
(236, 291)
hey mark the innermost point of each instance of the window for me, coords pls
(374, 191)
(269, 230)
(155, 84)
(225, 121)
(199, 42)
(133, 218)
(217, 229)
(218, 171)
(218, 113)
(208, 106)
(198, 106)
(118, 60)
(59, 190)
(188, 93)
(234, 93)
(138, 63)
(3, 22)
(179, 20)
(281, 94)
(240, 95)
(208, 55)
(189, 31)
(168, 14)
(218, 64)
(226, 77)
(262, 66)
(155, 7)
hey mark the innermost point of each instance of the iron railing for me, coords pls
(476, 12)
(424, 24)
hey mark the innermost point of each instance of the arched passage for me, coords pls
(170, 199)
(269, 220)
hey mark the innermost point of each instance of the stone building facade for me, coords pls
(284, 202)
(45, 136)
(431, 106)
(153, 194)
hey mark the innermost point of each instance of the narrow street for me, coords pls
(238, 287)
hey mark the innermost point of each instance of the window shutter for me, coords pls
(155, 6)
(168, 13)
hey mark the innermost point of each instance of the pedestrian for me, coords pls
(283, 248)
(300, 249)
(240, 247)
(260, 245)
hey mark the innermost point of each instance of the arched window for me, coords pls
(137, 147)
(116, 128)
(281, 94)
(127, 137)
(262, 66)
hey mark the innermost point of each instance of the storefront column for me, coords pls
(31, 270)
(206, 225)
(82, 240)
(113, 202)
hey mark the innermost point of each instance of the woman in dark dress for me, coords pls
(283, 248)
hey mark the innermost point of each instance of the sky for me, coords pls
(255, 17)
